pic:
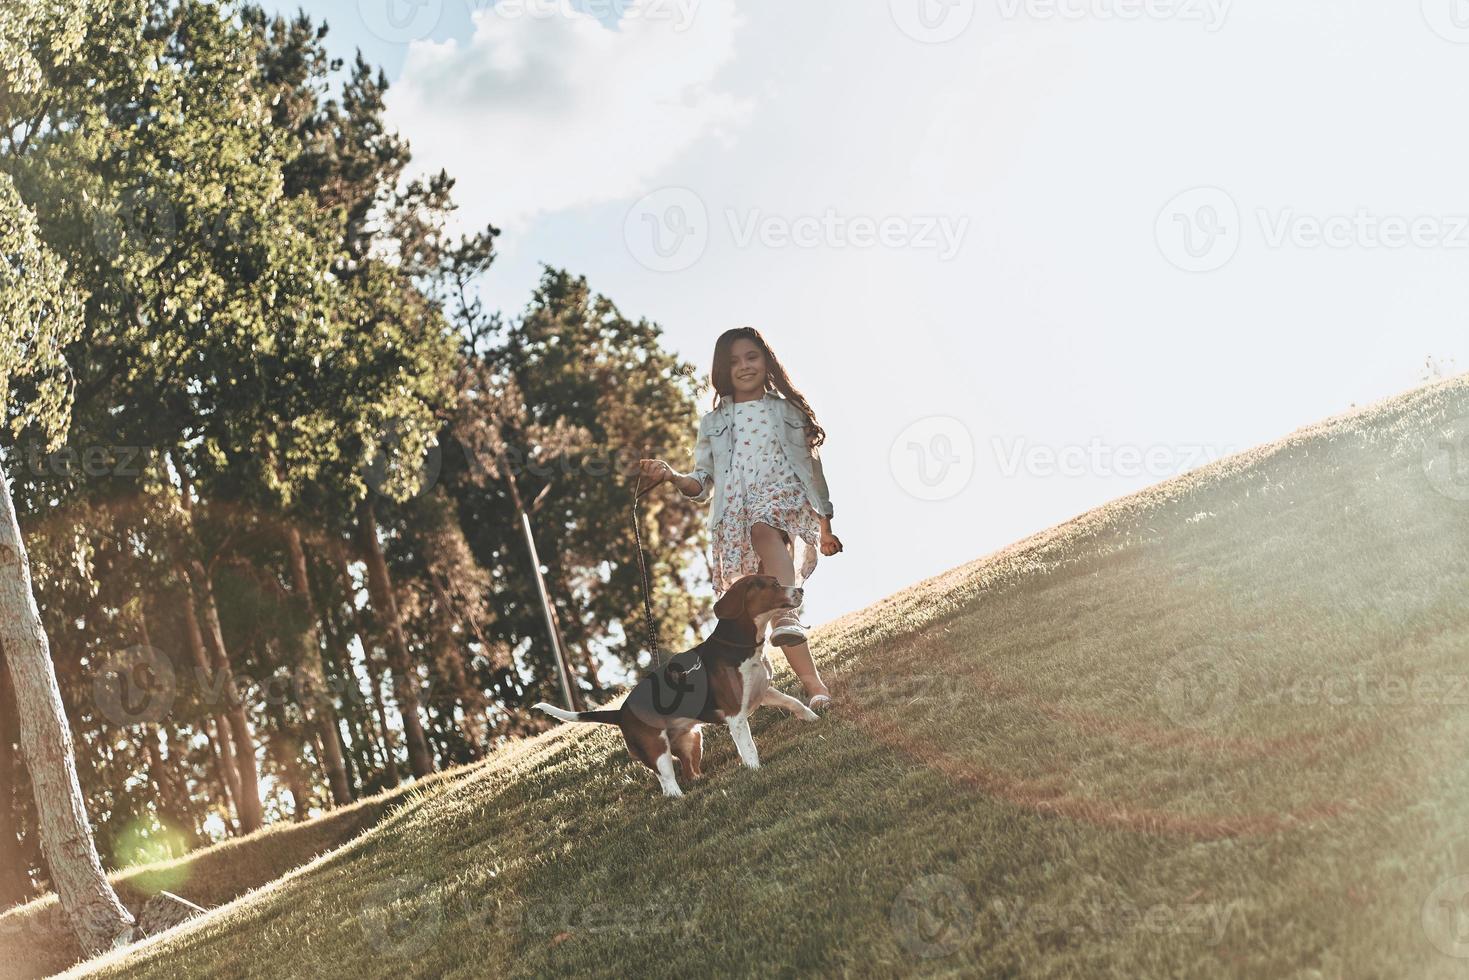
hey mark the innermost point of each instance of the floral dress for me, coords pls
(762, 487)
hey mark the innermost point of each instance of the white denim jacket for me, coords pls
(714, 455)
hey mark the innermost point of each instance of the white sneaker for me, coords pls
(788, 631)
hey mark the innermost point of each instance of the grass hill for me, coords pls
(36, 942)
(1214, 729)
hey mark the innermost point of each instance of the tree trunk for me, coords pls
(222, 742)
(172, 796)
(380, 585)
(337, 661)
(15, 882)
(390, 745)
(300, 793)
(354, 722)
(315, 696)
(350, 763)
(248, 796)
(223, 771)
(367, 717)
(96, 916)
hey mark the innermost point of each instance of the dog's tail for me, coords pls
(595, 717)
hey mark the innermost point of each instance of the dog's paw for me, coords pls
(809, 715)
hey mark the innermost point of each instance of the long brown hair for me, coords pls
(776, 379)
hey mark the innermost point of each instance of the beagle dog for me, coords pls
(723, 679)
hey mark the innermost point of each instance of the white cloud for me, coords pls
(544, 108)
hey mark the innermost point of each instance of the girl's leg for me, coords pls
(776, 559)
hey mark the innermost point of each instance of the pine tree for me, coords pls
(38, 316)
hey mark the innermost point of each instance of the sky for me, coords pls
(1022, 256)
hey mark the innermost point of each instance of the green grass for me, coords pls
(36, 942)
(1213, 729)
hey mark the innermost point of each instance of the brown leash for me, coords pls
(637, 533)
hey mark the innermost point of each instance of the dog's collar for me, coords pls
(754, 644)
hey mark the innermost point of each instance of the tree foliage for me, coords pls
(268, 353)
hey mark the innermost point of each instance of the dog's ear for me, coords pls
(731, 605)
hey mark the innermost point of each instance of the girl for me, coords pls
(757, 461)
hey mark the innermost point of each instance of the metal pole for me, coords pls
(561, 666)
(563, 669)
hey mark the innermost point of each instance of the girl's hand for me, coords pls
(830, 543)
(652, 472)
